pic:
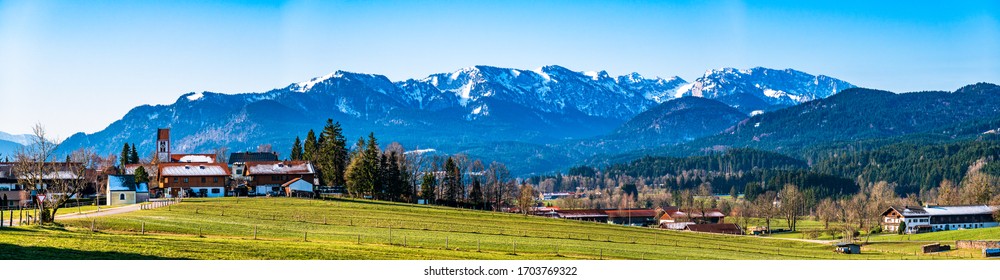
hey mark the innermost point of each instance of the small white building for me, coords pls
(298, 187)
(123, 190)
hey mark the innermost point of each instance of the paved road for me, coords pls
(105, 212)
(89, 214)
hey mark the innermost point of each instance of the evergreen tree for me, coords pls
(123, 159)
(297, 149)
(311, 147)
(133, 156)
(141, 176)
(476, 194)
(363, 176)
(454, 191)
(427, 187)
(902, 228)
(732, 193)
(332, 156)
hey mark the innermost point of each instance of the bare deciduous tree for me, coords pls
(527, 198)
(38, 171)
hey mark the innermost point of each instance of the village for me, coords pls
(172, 176)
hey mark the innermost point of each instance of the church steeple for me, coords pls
(163, 144)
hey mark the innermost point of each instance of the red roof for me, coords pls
(163, 134)
(631, 213)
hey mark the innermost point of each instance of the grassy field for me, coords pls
(950, 235)
(360, 229)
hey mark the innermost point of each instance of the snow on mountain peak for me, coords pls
(194, 96)
(307, 85)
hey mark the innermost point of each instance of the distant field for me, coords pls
(360, 229)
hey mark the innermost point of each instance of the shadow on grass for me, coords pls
(16, 252)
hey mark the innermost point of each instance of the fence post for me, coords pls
(446, 243)
(199, 232)
(404, 240)
(305, 236)
(513, 246)
(479, 248)
(92, 222)
(254, 232)
(142, 230)
(602, 253)
(324, 220)
(359, 239)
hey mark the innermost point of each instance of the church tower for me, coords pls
(163, 144)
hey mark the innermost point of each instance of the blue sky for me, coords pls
(79, 65)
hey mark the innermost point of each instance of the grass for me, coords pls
(62, 211)
(286, 228)
(992, 233)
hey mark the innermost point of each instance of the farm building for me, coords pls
(238, 163)
(918, 219)
(193, 179)
(266, 177)
(123, 190)
(583, 215)
(715, 228)
(298, 188)
(697, 216)
(632, 217)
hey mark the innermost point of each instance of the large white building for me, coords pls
(918, 219)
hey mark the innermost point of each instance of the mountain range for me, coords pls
(854, 119)
(539, 116)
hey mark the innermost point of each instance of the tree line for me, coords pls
(366, 170)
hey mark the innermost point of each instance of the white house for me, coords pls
(918, 219)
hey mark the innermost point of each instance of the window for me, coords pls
(185, 179)
(121, 196)
(203, 179)
(215, 180)
(215, 190)
(175, 179)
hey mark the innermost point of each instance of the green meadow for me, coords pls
(288, 228)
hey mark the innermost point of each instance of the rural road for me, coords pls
(94, 214)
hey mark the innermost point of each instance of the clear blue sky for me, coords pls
(79, 65)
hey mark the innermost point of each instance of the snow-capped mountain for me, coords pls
(549, 89)
(466, 110)
(23, 139)
(762, 89)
